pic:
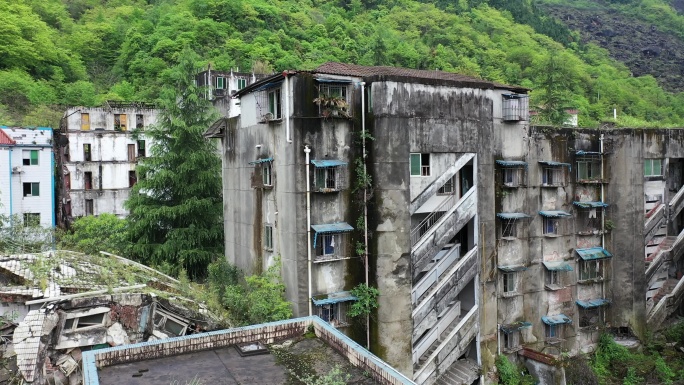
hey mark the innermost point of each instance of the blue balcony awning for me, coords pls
(580, 152)
(339, 227)
(592, 303)
(259, 161)
(329, 80)
(327, 163)
(327, 299)
(593, 253)
(514, 327)
(590, 205)
(555, 214)
(557, 319)
(557, 266)
(512, 215)
(511, 163)
(554, 164)
(512, 268)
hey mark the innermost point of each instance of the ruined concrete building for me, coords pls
(27, 175)
(220, 86)
(485, 235)
(60, 304)
(97, 150)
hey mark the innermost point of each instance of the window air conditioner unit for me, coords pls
(17, 170)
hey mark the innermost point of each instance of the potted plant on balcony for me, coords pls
(332, 106)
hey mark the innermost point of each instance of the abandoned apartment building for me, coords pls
(97, 151)
(27, 175)
(59, 304)
(485, 235)
(220, 86)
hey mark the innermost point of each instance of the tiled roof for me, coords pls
(5, 139)
(27, 343)
(344, 69)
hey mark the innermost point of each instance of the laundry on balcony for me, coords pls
(592, 303)
(514, 327)
(557, 319)
(555, 214)
(339, 227)
(512, 268)
(512, 216)
(511, 163)
(259, 161)
(557, 266)
(593, 253)
(590, 205)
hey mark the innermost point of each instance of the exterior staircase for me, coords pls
(461, 372)
(665, 244)
(665, 290)
(437, 342)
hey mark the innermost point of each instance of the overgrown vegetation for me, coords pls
(334, 377)
(367, 300)
(92, 234)
(510, 374)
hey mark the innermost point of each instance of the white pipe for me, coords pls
(287, 114)
(365, 200)
(307, 151)
(603, 216)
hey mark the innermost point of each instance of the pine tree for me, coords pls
(176, 211)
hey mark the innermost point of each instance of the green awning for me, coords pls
(593, 253)
(557, 319)
(327, 299)
(514, 327)
(557, 266)
(512, 215)
(554, 214)
(590, 205)
(592, 303)
(339, 227)
(259, 161)
(511, 163)
(554, 164)
(512, 268)
(327, 163)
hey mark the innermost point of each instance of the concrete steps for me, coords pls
(666, 244)
(438, 341)
(461, 372)
(665, 289)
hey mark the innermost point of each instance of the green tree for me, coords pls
(176, 211)
(92, 234)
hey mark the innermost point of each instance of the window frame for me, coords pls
(509, 228)
(585, 313)
(266, 174)
(89, 207)
(338, 310)
(268, 236)
(164, 317)
(509, 282)
(591, 270)
(331, 247)
(328, 179)
(240, 83)
(33, 189)
(275, 103)
(424, 162)
(142, 148)
(87, 152)
(220, 83)
(650, 163)
(120, 122)
(548, 221)
(29, 161)
(556, 174)
(554, 333)
(88, 180)
(511, 176)
(72, 320)
(591, 170)
(449, 187)
(511, 341)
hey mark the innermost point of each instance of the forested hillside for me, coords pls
(80, 52)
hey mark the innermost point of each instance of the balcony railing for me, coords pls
(676, 203)
(435, 272)
(424, 344)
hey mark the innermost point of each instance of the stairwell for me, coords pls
(665, 289)
(461, 372)
(664, 245)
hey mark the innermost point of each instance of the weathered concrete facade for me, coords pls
(97, 153)
(429, 136)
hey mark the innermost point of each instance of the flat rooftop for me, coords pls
(225, 366)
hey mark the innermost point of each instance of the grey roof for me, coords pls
(411, 75)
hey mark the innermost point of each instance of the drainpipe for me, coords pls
(307, 151)
(603, 216)
(11, 205)
(287, 115)
(365, 200)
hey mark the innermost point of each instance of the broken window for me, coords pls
(329, 175)
(515, 107)
(653, 167)
(511, 177)
(31, 189)
(448, 188)
(509, 228)
(87, 156)
(131, 152)
(553, 176)
(139, 121)
(31, 219)
(85, 121)
(120, 122)
(266, 174)
(420, 164)
(30, 157)
(170, 323)
(550, 226)
(331, 246)
(89, 207)
(141, 148)
(132, 178)
(553, 333)
(511, 341)
(589, 217)
(590, 317)
(88, 180)
(85, 319)
(591, 269)
(588, 170)
(241, 83)
(509, 282)
(275, 104)
(334, 313)
(268, 236)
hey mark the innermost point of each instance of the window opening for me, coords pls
(653, 167)
(420, 164)
(87, 155)
(334, 313)
(120, 122)
(241, 83)
(85, 121)
(509, 228)
(220, 82)
(590, 317)
(31, 219)
(169, 323)
(88, 180)
(89, 207)
(131, 152)
(132, 178)
(139, 121)
(274, 104)
(512, 341)
(591, 269)
(268, 237)
(266, 174)
(329, 175)
(141, 148)
(449, 188)
(31, 189)
(509, 282)
(515, 107)
(30, 157)
(553, 176)
(550, 226)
